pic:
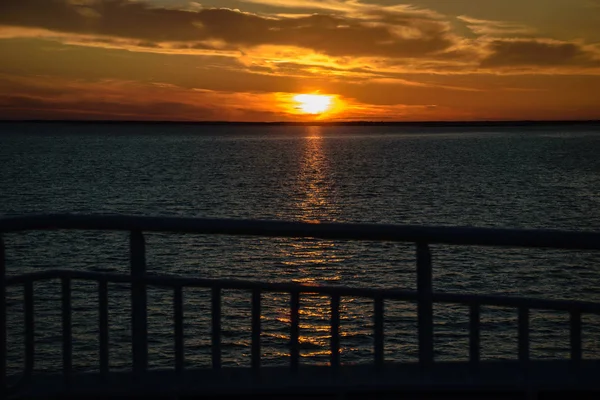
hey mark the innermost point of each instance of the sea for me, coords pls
(479, 176)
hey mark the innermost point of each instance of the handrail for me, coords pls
(139, 279)
(174, 281)
(340, 231)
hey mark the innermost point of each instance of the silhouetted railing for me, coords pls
(139, 280)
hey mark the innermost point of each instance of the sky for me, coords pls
(246, 60)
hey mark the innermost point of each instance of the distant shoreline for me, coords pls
(316, 123)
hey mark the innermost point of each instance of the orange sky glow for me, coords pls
(257, 60)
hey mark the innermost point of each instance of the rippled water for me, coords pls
(529, 178)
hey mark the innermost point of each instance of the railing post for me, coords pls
(29, 329)
(335, 334)
(294, 331)
(216, 328)
(178, 322)
(256, 330)
(425, 304)
(575, 336)
(67, 330)
(474, 335)
(3, 310)
(103, 328)
(523, 335)
(524, 343)
(378, 330)
(139, 333)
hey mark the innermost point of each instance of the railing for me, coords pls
(139, 280)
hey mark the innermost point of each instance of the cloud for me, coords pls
(24, 107)
(348, 36)
(201, 47)
(399, 31)
(354, 8)
(486, 27)
(47, 97)
(63, 98)
(539, 53)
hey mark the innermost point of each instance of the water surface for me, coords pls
(498, 177)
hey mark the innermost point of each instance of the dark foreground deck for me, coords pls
(513, 378)
(505, 378)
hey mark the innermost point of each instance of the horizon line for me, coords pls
(308, 123)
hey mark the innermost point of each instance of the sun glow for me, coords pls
(313, 103)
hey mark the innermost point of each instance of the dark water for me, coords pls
(528, 178)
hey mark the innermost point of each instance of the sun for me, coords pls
(313, 103)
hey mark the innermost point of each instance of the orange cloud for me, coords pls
(328, 34)
(130, 59)
(59, 98)
(484, 27)
(353, 35)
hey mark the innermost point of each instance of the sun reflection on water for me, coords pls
(315, 191)
(315, 262)
(315, 186)
(311, 261)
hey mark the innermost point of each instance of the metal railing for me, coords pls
(139, 280)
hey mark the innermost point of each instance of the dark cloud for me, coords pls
(392, 36)
(47, 97)
(538, 53)
(27, 107)
(18, 107)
